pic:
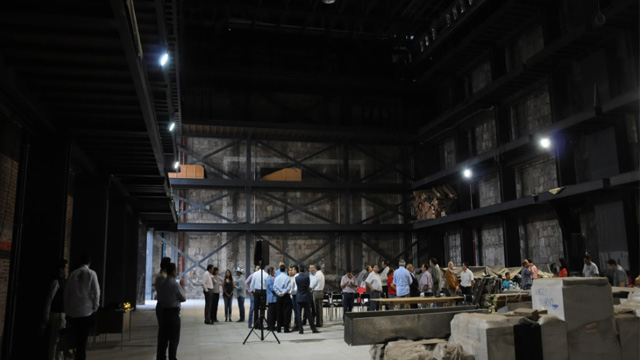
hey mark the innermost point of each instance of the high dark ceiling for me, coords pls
(75, 66)
(354, 70)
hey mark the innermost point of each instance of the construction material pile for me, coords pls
(436, 202)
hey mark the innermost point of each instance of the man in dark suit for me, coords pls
(303, 298)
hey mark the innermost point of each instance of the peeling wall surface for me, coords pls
(489, 190)
(454, 249)
(544, 239)
(492, 244)
(536, 177)
(322, 162)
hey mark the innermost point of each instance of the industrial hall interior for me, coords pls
(330, 179)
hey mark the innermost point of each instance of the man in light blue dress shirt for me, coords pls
(271, 301)
(402, 279)
(282, 288)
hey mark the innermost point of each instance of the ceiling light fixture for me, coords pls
(163, 59)
(329, 2)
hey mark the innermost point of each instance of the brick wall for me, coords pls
(489, 190)
(492, 244)
(536, 177)
(8, 187)
(4, 283)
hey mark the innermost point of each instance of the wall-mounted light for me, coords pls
(164, 59)
(467, 173)
(172, 126)
(329, 2)
(545, 142)
(176, 165)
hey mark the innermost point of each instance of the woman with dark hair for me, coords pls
(562, 271)
(227, 288)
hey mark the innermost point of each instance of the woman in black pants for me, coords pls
(227, 288)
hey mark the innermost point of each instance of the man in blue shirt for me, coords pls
(402, 279)
(282, 288)
(271, 301)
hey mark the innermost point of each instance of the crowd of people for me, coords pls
(294, 297)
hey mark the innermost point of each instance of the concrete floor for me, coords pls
(224, 340)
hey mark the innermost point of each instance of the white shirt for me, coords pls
(170, 293)
(466, 277)
(374, 280)
(384, 275)
(207, 281)
(317, 281)
(255, 280)
(82, 293)
(590, 270)
(294, 287)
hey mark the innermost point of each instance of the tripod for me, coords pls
(261, 320)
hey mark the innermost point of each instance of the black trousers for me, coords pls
(306, 306)
(81, 327)
(208, 300)
(168, 333)
(260, 303)
(283, 311)
(271, 316)
(215, 299)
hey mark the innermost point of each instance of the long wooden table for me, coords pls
(451, 300)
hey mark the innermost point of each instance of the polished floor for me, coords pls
(224, 340)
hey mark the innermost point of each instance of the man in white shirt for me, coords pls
(384, 274)
(259, 286)
(349, 290)
(374, 285)
(81, 301)
(590, 269)
(294, 290)
(207, 289)
(317, 286)
(466, 281)
(248, 283)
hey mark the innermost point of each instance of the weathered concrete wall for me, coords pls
(489, 190)
(531, 113)
(492, 244)
(453, 247)
(589, 227)
(480, 76)
(449, 153)
(485, 131)
(326, 162)
(536, 177)
(632, 140)
(544, 239)
(525, 46)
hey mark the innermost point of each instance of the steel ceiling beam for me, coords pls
(142, 87)
(308, 228)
